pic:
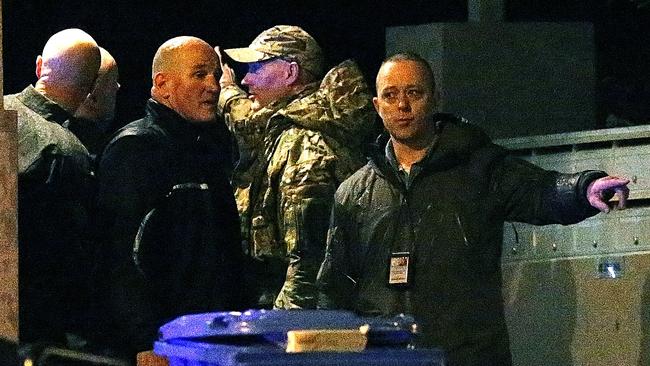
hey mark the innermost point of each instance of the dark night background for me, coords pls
(132, 31)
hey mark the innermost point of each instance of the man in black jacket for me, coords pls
(54, 188)
(95, 115)
(418, 230)
(163, 187)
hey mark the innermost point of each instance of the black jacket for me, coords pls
(450, 219)
(192, 254)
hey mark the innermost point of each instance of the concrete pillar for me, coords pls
(8, 218)
(512, 79)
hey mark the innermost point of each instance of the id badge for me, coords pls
(399, 273)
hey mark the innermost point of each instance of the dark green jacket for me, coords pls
(450, 219)
(55, 186)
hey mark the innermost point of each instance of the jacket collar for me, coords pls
(175, 125)
(45, 107)
(456, 141)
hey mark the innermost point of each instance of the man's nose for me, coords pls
(246, 79)
(403, 102)
(212, 84)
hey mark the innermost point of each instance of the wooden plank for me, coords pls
(8, 229)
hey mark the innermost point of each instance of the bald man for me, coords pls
(94, 116)
(53, 185)
(162, 181)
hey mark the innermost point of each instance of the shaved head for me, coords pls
(99, 106)
(67, 68)
(410, 56)
(107, 64)
(168, 53)
(185, 77)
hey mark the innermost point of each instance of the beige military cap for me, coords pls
(285, 41)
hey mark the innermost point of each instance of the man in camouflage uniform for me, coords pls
(298, 138)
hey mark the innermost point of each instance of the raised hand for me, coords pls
(228, 76)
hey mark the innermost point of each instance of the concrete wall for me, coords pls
(513, 79)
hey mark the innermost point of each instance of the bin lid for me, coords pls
(279, 322)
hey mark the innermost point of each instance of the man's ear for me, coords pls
(375, 102)
(160, 83)
(293, 73)
(39, 66)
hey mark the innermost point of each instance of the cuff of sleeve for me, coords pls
(227, 95)
(585, 179)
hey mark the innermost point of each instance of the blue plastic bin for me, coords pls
(258, 338)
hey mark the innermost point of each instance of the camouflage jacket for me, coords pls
(293, 155)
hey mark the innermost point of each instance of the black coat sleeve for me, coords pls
(537, 196)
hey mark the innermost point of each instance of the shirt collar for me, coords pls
(390, 156)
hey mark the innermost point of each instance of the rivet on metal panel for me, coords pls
(514, 251)
(634, 179)
(636, 240)
(594, 244)
(554, 247)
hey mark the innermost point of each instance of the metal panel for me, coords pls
(579, 294)
(561, 313)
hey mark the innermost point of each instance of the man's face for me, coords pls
(267, 82)
(99, 106)
(405, 101)
(106, 94)
(193, 83)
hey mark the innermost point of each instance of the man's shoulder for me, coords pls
(25, 114)
(359, 180)
(31, 122)
(461, 126)
(11, 102)
(142, 129)
(461, 137)
(134, 139)
(340, 106)
(38, 136)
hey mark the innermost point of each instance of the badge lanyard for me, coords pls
(401, 262)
